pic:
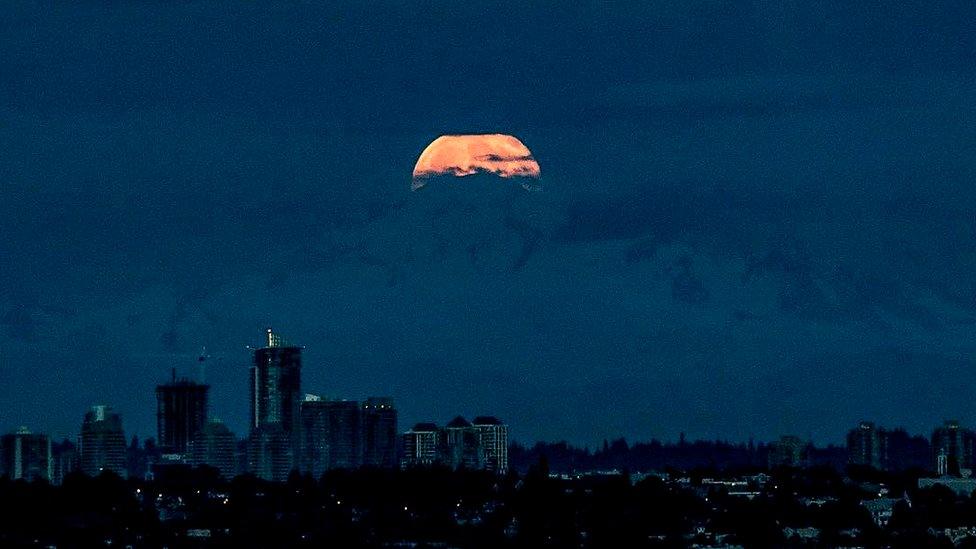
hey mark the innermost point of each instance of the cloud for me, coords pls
(500, 158)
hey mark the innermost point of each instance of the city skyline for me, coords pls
(842, 440)
(196, 380)
(293, 431)
(365, 434)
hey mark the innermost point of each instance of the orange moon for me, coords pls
(461, 155)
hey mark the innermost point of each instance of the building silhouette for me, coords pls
(24, 455)
(315, 433)
(493, 438)
(788, 451)
(887, 449)
(215, 445)
(420, 445)
(65, 460)
(240, 455)
(952, 448)
(102, 442)
(478, 445)
(902, 451)
(275, 390)
(864, 445)
(332, 435)
(181, 411)
(461, 445)
(379, 423)
(270, 453)
(145, 461)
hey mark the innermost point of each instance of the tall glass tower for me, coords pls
(276, 384)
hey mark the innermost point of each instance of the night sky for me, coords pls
(757, 218)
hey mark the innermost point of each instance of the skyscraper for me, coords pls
(864, 445)
(332, 435)
(65, 457)
(379, 432)
(275, 398)
(181, 411)
(420, 446)
(215, 445)
(102, 442)
(270, 454)
(952, 447)
(276, 384)
(27, 456)
(493, 436)
(463, 445)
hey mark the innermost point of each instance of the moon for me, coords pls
(461, 155)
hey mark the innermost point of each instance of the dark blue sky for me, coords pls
(758, 217)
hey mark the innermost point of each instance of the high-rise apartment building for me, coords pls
(216, 446)
(493, 438)
(332, 435)
(270, 453)
(276, 384)
(275, 391)
(463, 445)
(420, 446)
(891, 449)
(102, 442)
(65, 458)
(952, 448)
(379, 424)
(181, 411)
(864, 445)
(482, 444)
(24, 455)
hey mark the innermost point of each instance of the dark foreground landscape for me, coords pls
(790, 507)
